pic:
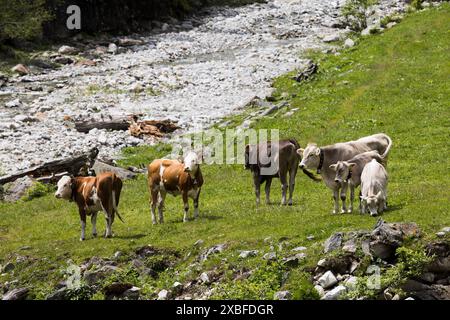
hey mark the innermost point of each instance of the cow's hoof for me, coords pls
(94, 235)
(343, 211)
(373, 214)
(349, 210)
(81, 239)
(290, 203)
(334, 212)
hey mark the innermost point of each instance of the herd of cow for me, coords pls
(341, 165)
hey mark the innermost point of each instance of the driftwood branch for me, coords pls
(85, 127)
(78, 165)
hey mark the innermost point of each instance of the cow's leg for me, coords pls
(94, 224)
(284, 187)
(267, 189)
(162, 198)
(344, 187)
(352, 198)
(83, 224)
(361, 211)
(336, 200)
(257, 184)
(186, 206)
(153, 203)
(197, 196)
(292, 175)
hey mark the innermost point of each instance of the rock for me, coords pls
(409, 298)
(351, 283)
(21, 69)
(247, 254)
(306, 73)
(331, 38)
(440, 234)
(13, 103)
(67, 50)
(177, 288)
(427, 277)
(60, 294)
(310, 237)
(391, 24)
(350, 246)
(25, 118)
(298, 249)
(334, 242)
(322, 263)
(198, 243)
(270, 256)
(164, 295)
(282, 295)
(3, 79)
(213, 250)
(63, 60)
(319, 290)
(446, 230)
(349, 43)
(128, 42)
(8, 267)
(132, 294)
(327, 280)
(16, 294)
(294, 261)
(335, 294)
(124, 174)
(14, 191)
(116, 288)
(204, 278)
(117, 255)
(112, 48)
(137, 88)
(396, 297)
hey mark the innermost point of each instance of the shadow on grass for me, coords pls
(131, 236)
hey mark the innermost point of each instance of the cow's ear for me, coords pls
(318, 152)
(351, 165)
(300, 151)
(333, 167)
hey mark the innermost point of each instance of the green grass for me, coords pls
(395, 82)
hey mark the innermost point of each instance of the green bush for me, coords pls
(37, 190)
(23, 19)
(355, 13)
(416, 4)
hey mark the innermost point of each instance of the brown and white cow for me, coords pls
(321, 158)
(93, 194)
(350, 171)
(176, 178)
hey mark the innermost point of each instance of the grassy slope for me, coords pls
(395, 83)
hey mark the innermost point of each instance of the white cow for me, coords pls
(374, 181)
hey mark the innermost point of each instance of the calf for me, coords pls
(283, 155)
(93, 194)
(321, 158)
(374, 180)
(350, 172)
(174, 177)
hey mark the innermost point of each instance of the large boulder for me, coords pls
(16, 294)
(124, 174)
(17, 189)
(21, 69)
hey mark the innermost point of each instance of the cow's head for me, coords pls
(64, 190)
(191, 162)
(343, 169)
(310, 156)
(372, 203)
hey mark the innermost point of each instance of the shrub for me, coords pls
(23, 19)
(37, 190)
(355, 13)
(416, 4)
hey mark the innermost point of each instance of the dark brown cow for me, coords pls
(93, 194)
(280, 159)
(176, 178)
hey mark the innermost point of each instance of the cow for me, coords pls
(283, 157)
(374, 181)
(350, 171)
(92, 195)
(176, 178)
(321, 158)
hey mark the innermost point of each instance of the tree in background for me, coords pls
(22, 19)
(355, 13)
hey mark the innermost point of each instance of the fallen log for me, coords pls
(115, 124)
(152, 127)
(78, 165)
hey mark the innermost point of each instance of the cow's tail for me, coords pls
(386, 152)
(311, 175)
(115, 206)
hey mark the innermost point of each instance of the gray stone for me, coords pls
(67, 50)
(60, 294)
(198, 243)
(17, 189)
(331, 38)
(164, 295)
(248, 253)
(327, 280)
(204, 278)
(391, 24)
(16, 103)
(16, 294)
(112, 48)
(124, 174)
(335, 294)
(213, 250)
(351, 283)
(350, 246)
(319, 290)
(270, 256)
(177, 288)
(297, 249)
(334, 242)
(349, 43)
(132, 294)
(8, 267)
(294, 261)
(282, 295)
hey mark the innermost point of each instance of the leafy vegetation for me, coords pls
(355, 13)
(395, 82)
